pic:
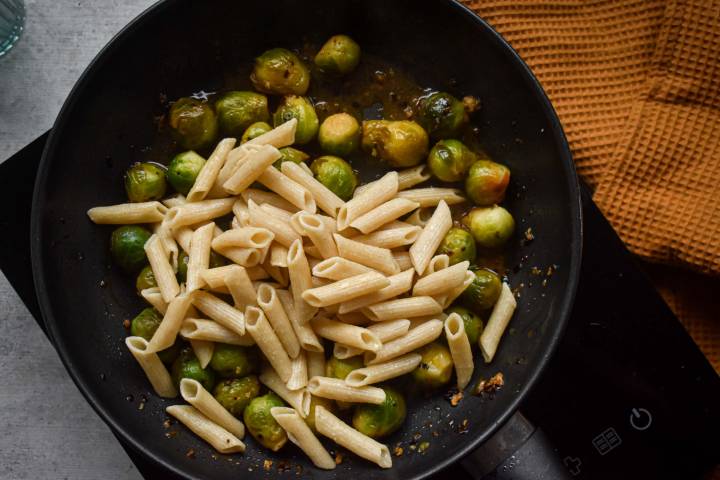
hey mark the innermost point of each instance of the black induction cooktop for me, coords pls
(628, 395)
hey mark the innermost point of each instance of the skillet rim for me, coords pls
(548, 343)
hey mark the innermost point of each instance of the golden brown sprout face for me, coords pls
(281, 72)
(401, 143)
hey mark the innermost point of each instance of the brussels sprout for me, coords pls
(484, 290)
(145, 324)
(315, 402)
(300, 108)
(442, 115)
(127, 247)
(193, 123)
(473, 324)
(281, 72)
(236, 394)
(337, 368)
(232, 361)
(336, 174)
(145, 182)
(378, 421)
(486, 182)
(436, 366)
(188, 366)
(401, 143)
(254, 131)
(145, 279)
(458, 245)
(261, 424)
(491, 226)
(339, 134)
(183, 170)
(449, 160)
(236, 111)
(340, 55)
(290, 154)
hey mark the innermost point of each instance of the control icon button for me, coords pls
(607, 440)
(573, 465)
(640, 419)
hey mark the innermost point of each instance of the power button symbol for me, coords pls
(640, 419)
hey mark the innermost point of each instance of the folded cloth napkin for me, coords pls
(636, 84)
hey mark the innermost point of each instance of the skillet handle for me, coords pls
(517, 451)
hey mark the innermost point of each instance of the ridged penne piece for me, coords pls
(497, 323)
(209, 172)
(460, 349)
(317, 230)
(415, 338)
(402, 259)
(432, 196)
(198, 212)
(402, 308)
(304, 333)
(220, 439)
(437, 263)
(160, 264)
(164, 336)
(300, 280)
(406, 179)
(420, 216)
(154, 369)
(251, 168)
(381, 191)
(337, 389)
(447, 298)
(300, 434)
(227, 316)
(430, 238)
(245, 237)
(338, 268)
(284, 234)
(325, 198)
(297, 399)
(199, 256)
(441, 280)
(240, 286)
(278, 255)
(392, 238)
(350, 335)
(268, 300)
(279, 214)
(164, 231)
(341, 433)
(385, 331)
(345, 289)
(380, 259)
(261, 197)
(299, 374)
(195, 394)
(154, 298)
(259, 328)
(399, 283)
(383, 214)
(211, 331)
(383, 371)
(288, 189)
(128, 213)
(246, 257)
(174, 201)
(315, 364)
(203, 351)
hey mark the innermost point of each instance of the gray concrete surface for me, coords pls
(47, 430)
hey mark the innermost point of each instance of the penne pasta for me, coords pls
(338, 268)
(154, 298)
(195, 394)
(381, 191)
(337, 389)
(399, 283)
(174, 201)
(268, 300)
(165, 233)
(420, 216)
(198, 212)
(447, 298)
(128, 213)
(240, 286)
(215, 277)
(280, 136)
(199, 256)
(203, 350)
(288, 189)
(211, 331)
(246, 257)
(259, 328)
(325, 198)
(183, 236)
(220, 439)
(415, 338)
(261, 197)
(430, 238)
(300, 434)
(227, 316)
(380, 259)
(251, 168)
(432, 196)
(305, 334)
(298, 374)
(393, 238)
(154, 369)
(317, 230)
(385, 331)
(315, 364)
(160, 264)
(384, 371)
(284, 234)
(210, 170)
(279, 214)
(402, 308)
(300, 281)
(341, 433)
(278, 255)
(497, 323)
(345, 290)
(406, 179)
(441, 280)
(437, 263)
(350, 335)
(164, 336)
(460, 349)
(245, 237)
(383, 214)
(297, 399)
(403, 260)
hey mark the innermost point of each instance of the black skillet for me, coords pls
(182, 46)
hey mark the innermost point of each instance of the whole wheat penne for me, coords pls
(415, 338)
(338, 268)
(346, 289)
(402, 308)
(154, 298)
(245, 237)
(215, 277)
(160, 264)
(154, 369)
(380, 259)
(211, 331)
(268, 300)
(261, 197)
(174, 201)
(284, 234)
(432, 196)
(298, 374)
(209, 172)
(199, 256)
(258, 326)
(183, 236)
(430, 238)
(128, 213)
(325, 198)
(393, 238)
(497, 323)
(290, 190)
(196, 212)
(385, 331)
(278, 213)
(279, 274)
(406, 179)
(221, 312)
(220, 439)
(382, 214)
(203, 351)
(329, 222)
(300, 434)
(383, 371)
(300, 280)
(460, 349)
(305, 334)
(297, 399)
(169, 327)
(417, 321)
(341, 433)
(280, 136)
(351, 335)
(437, 263)
(420, 216)
(354, 318)
(251, 168)
(399, 283)
(447, 298)
(164, 231)
(240, 286)
(278, 255)
(337, 389)
(195, 394)
(319, 233)
(247, 257)
(381, 191)
(441, 280)
(315, 363)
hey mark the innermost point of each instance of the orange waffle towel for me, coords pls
(636, 84)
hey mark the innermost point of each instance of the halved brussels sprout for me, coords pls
(473, 323)
(300, 108)
(340, 55)
(127, 247)
(236, 394)
(236, 111)
(486, 182)
(401, 143)
(491, 226)
(378, 421)
(261, 424)
(145, 182)
(193, 123)
(290, 154)
(484, 290)
(337, 368)
(336, 174)
(281, 72)
(449, 160)
(255, 130)
(442, 115)
(436, 366)
(145, 279)
(339, 134)
(233, 361)
(183, 170)
(458, 245)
